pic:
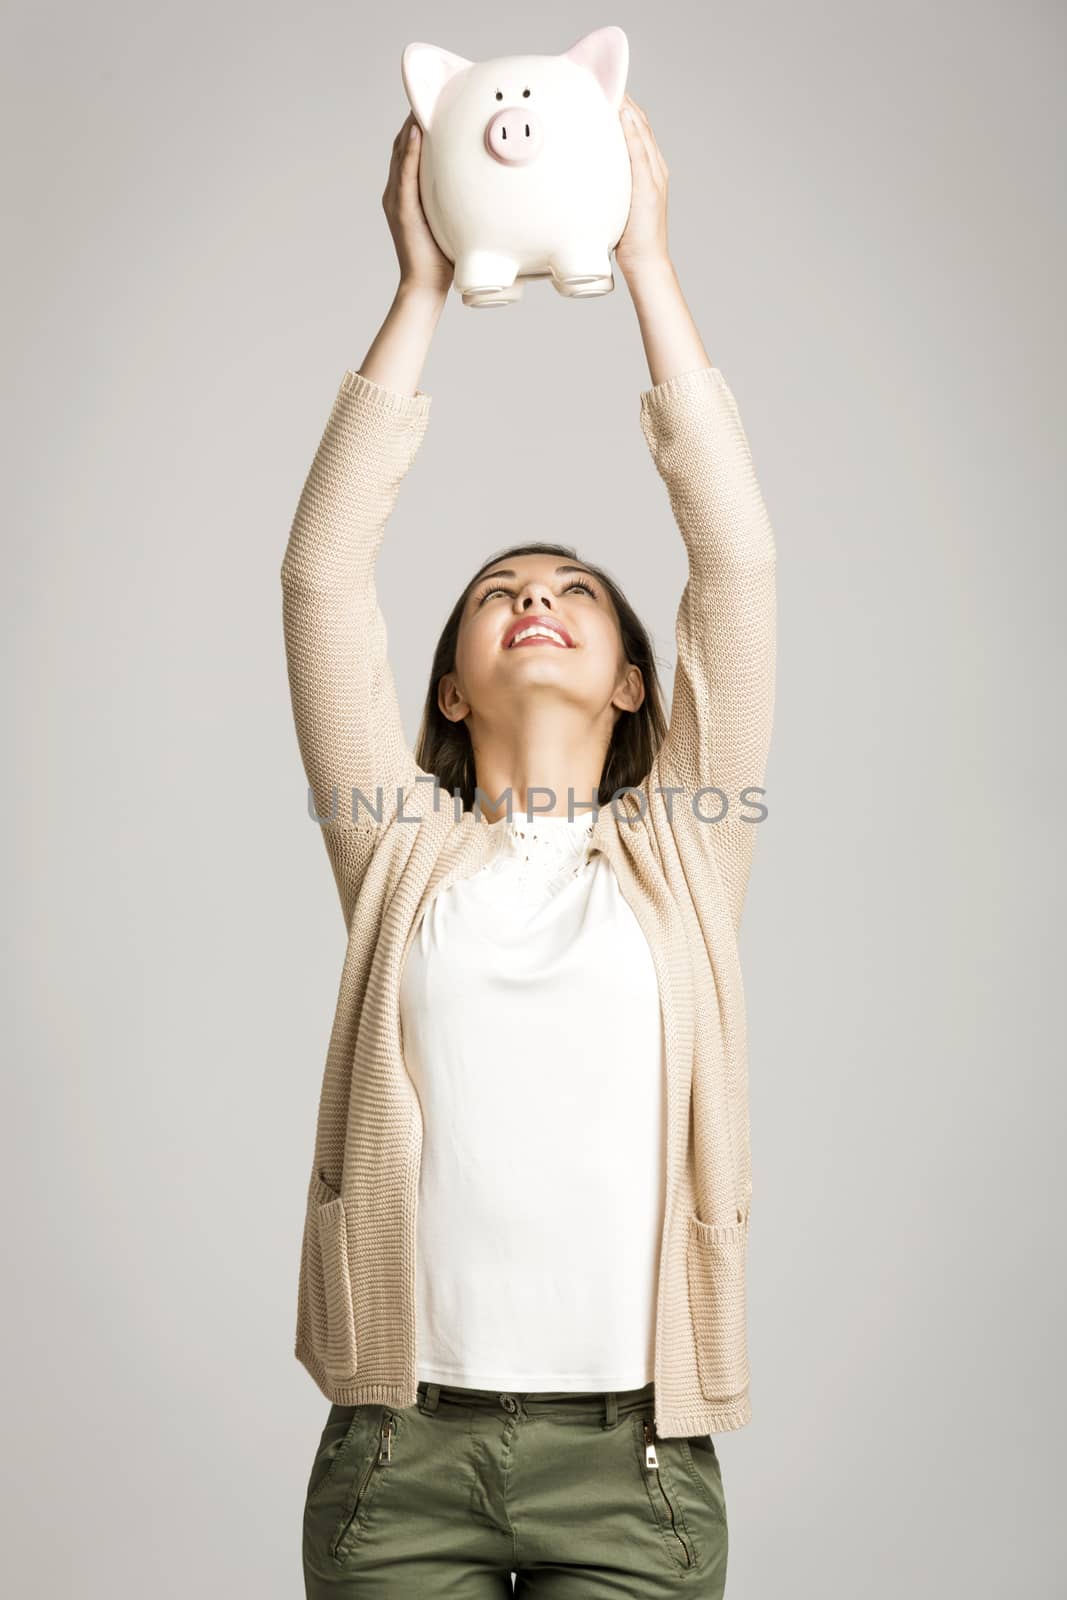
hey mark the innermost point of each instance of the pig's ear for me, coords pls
(606, 53)
(425, 69)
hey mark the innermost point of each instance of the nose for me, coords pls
(513, 136)
(531, 598)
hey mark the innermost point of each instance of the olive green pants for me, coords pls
(573, 1493)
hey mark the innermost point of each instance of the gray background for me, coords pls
(865, 221)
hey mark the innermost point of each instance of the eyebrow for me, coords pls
(509, 572)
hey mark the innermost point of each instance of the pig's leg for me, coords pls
(581, 268)
(487, 278)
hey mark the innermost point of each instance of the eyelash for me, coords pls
(576, 583)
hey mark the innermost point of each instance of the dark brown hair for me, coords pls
(444, 748)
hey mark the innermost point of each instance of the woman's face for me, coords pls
(580, 662)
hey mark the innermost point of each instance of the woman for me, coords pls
(523, 1264)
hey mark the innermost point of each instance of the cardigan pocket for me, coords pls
(333, 1318)
(715, 1270)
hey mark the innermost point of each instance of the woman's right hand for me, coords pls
(422, 263)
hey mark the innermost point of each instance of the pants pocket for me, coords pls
(334, 1441)
(715, 1268)
(341, 1487)
(332, 1315)
(702, 1463)
(368, 1467)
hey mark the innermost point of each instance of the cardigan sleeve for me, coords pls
(724, 683)
(345, 708)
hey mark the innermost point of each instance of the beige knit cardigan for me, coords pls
(684, 876)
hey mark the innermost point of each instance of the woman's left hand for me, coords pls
(644, 239)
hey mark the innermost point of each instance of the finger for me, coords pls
(641, 145)
(639, 123)
(400, 143)
(390, 177)
(652, 149)
(396, 160)
(655, 154)
(639, 158)
(408, 200)
(412, 152)
(632, 129)
(409, 160)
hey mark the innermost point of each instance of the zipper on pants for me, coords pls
(382, 1457)
(652, 1465)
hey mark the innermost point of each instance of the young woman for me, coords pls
(523, 1263)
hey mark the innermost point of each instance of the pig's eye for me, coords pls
(499, 94)
(526, 94)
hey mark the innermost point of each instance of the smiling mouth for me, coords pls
(538, 635)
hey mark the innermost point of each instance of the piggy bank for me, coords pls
(524, 170)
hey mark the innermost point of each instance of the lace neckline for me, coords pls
(540, 841)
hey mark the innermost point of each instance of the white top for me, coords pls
(533, 1034)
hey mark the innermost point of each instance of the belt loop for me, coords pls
(430, 1399)
(611, 1409)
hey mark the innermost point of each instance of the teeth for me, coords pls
(536, 632)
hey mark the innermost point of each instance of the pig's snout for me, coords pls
(513, 135)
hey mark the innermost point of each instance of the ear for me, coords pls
(450, 700)
(606, 54)
(425, 69)
(631, 693)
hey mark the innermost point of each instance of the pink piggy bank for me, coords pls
(524, 171)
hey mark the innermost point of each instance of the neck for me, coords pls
(541, 770)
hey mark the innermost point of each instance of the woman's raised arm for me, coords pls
(345, 707)
(724, 682)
